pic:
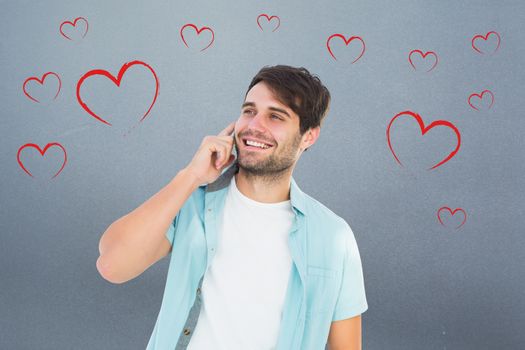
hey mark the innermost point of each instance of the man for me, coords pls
(255, 262)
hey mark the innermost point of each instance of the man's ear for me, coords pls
(310, 137)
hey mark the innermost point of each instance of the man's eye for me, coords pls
(275, 116)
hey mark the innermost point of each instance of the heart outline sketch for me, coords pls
(424, 55)
(42, 152)
(74, 23)
(41, 82)
(269, 19)
(337, 35)
(424, 130)
(485, 38)
(480, 96)
(198, 33)
(117, 82)
(452, 213)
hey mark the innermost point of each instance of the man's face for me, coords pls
(264, 119)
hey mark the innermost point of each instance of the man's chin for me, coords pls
(252, 166)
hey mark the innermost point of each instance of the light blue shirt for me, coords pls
(326, 279)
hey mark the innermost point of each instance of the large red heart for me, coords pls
(41, 82)
(42, 152)
(424, 130)
(117, 82)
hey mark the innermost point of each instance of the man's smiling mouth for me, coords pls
(253, 144)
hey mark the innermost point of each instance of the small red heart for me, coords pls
(480, 97)
(423, 55)
(268, 19)
(198, 33)
(41, 82)
(346, 41)
(42, 152)
(452, 213)
(73, 24)
(485, 39)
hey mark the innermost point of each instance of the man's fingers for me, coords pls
(228, 130)
(221, 153)
(224, 153)
(230, 160)
(227, 139)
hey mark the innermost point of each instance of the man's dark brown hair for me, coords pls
(296, 88)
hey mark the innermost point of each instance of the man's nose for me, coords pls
(258, 122)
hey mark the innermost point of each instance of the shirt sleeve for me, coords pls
(170, 232)
(352, 298)
(189, 204)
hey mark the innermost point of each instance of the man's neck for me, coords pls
(262, 189)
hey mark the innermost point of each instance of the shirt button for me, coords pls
(209, 209)
(186, 331)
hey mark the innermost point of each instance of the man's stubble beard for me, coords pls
(272, 167)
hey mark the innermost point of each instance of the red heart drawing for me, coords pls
(117, 82)
(480, 97)
(42, 152)
(268, 19)
(452, 213)
(346, 41)
(198, 33)
(485, 38)
(41, 82)
(423, 55)
(73, 24)
(424, 130)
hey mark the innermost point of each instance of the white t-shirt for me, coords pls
(244, 288)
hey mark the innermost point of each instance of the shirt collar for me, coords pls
(297, 197)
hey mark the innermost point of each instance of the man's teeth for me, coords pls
(256, 144)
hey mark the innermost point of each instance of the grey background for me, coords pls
(428, 286)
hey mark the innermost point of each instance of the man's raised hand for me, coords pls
(214, 154)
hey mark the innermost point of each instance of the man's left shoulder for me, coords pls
(328, 234)
(327, 231)
(323, 219)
